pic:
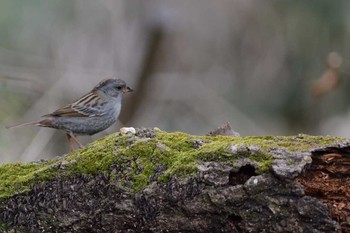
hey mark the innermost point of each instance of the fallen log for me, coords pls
(149, 180)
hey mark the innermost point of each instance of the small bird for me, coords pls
(90, 114)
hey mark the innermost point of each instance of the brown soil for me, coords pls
(328, 179)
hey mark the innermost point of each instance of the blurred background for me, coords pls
(268, 67)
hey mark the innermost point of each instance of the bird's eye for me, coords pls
(119, 87)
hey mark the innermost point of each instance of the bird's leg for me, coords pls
(70, 142)
(75, 139)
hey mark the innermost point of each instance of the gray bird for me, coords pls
(90, 114)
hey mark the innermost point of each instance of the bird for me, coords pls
(90, 114)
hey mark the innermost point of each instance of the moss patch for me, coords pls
(19, 177)
(133, 161)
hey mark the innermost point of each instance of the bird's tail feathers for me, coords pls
(23, 124)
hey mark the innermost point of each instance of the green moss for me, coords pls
(132, 161)
(3, 227)
(18, 177)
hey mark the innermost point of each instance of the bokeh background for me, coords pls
(268, 67)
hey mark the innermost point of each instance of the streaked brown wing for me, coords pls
(87, 106)
(68, 111)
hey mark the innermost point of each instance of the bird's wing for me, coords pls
(87, 106)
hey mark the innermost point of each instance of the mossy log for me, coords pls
(154, 181)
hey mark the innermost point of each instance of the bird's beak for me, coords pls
(127, 89)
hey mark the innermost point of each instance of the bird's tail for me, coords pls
(23, 124)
